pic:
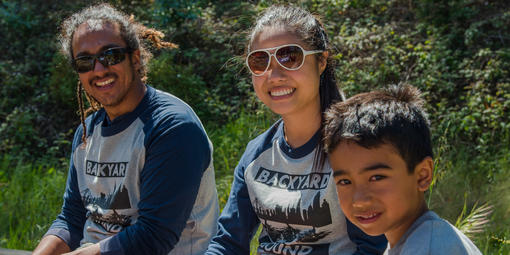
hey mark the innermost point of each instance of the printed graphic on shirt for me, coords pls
(111, 221)
(118, 199)
(290, 228)
(106, 169)
(286, 181)
(267, 247)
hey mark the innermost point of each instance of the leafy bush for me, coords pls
(457, 52)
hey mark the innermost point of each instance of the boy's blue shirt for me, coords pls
(275, 185)
(430, 234)
(143, 183)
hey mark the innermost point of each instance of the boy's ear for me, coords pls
(424, 172)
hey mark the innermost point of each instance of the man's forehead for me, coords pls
(93, 35)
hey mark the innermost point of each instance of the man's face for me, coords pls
(376, 191)
(112, 86)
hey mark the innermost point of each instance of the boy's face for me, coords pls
(375, 189)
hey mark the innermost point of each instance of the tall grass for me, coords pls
(230, 142)
(472, 191)
(30, 198)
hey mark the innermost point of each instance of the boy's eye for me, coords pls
(343, 182)
(377, 177)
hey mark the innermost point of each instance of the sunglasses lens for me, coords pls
(290, 57)
(112, 57)
(107, 58)
(84, 64)
(258, 62)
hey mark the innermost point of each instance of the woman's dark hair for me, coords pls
(131, 32)
(310, 30)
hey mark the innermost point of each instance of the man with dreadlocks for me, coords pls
(141, 179)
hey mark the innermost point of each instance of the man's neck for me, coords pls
(130, 102)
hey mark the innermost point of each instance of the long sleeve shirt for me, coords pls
(143, 183)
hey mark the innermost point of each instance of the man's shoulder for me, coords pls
(434, 235)
(165, 107)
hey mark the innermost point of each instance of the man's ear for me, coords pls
(136, 59)
(323, 61)
(424, 173)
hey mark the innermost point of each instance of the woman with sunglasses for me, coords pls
(283, 180)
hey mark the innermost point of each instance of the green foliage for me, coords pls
(181, 81)
(18, 135)
(62, 85)
(463, 180)
(30, 198)
(174, 13)
(207, 44)
(229, 143)
(457, 52)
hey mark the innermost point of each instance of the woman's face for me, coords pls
(288, 92)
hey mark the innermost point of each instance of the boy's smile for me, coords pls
(376, 191)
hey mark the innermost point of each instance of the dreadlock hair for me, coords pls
(309, 29)
(131, 32)
(392, 116)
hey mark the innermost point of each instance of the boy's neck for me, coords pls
(396, 234)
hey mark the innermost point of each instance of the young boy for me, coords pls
(380, 151)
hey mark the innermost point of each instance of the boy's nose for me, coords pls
(361, 198)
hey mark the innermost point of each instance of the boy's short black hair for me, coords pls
(390, 116)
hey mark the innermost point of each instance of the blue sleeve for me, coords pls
(365, 244)
(176, 158)
(238, 221)
(69, 223)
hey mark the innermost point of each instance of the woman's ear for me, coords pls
(323, 61)
(424, 173)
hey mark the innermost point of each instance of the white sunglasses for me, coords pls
(288, 56)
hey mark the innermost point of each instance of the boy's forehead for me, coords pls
(350, 157)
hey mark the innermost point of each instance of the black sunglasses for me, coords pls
(107, 58)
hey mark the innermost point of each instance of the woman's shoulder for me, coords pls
(265, 140)
(261, 143)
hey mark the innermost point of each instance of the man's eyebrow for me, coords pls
(376, 166)
(108, 46)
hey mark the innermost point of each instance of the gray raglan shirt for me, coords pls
(432, 235)
(143, 183)
(275, 185)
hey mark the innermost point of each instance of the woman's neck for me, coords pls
(299, 129)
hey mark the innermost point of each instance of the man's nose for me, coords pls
(98, 66)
